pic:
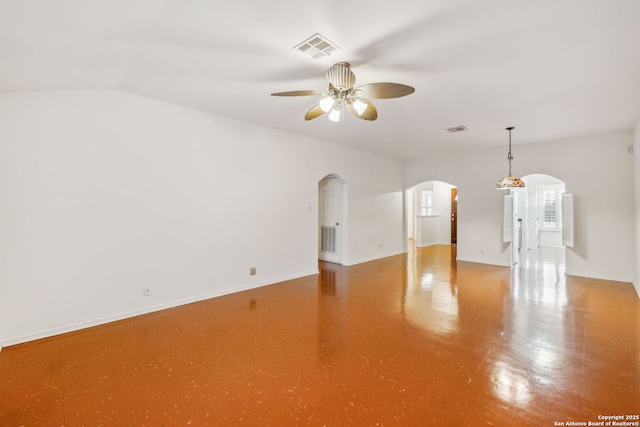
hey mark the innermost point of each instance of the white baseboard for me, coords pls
(360, 261)
(599, 277)
(484, 261)
(568, 273)
(433, 244)
(146, 310)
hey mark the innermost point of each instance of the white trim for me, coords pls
(360, 261)
(568, 273)
(426, 245)
(433, 244)
(599, 277)
(484, 261)
(147, 310)
(568, 232)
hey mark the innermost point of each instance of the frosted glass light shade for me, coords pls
(334, 115)
(359, 106)
(326, 104)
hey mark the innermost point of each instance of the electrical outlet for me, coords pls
(252, 271)
(146, 291)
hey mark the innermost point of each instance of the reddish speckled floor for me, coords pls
(413, 340)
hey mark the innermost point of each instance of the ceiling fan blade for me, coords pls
(314, 113)
(341, 76)
(371, 113)
(383, 90)
(298, 93)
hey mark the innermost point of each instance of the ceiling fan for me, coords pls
(342, 95)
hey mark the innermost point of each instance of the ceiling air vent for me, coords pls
(457, 129)
(317, 46)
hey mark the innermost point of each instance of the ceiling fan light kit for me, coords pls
(359, 106)
(335, 114)
(343, 95)
(326, 104)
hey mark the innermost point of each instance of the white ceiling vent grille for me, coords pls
(457, 129)
(317, 46)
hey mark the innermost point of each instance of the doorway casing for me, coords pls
(332, 204)
(430, 214)
(528, 221)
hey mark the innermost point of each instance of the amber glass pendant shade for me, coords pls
(509, 182)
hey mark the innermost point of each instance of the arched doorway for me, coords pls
(540, 219)
(331, 218)
(432, 214)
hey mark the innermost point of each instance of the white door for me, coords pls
(532, 225)
(507, 219)
(515, 242)
(567, 219)
(411, 216)
(510, 225)
(330, 218)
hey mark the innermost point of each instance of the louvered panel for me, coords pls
(328, 239)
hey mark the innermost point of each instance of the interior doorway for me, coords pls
(331, 205)
(454, 216)
(432, 214)
(539, 218)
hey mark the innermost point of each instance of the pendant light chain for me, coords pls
(509, 181)
(509, 156)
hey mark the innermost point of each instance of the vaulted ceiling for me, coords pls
(553, 69)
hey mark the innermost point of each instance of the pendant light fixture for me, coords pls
(509, 181)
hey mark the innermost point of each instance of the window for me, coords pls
(551, 208)
(426, 203)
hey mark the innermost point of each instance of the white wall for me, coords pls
(434, 229)
(604, 213)
(636, 169)
(102, 193)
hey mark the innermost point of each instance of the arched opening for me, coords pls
(538, 234)
(432, 214)
(332, 203)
